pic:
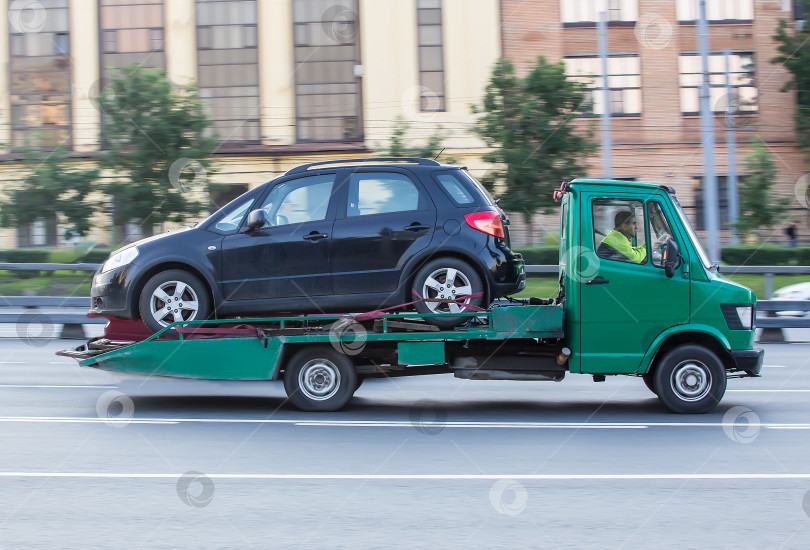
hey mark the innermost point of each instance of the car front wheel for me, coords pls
(690, 379)
(173, 296)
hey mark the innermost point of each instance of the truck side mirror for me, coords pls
(672, 257)
(255, 220)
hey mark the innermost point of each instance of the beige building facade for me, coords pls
(285, 81)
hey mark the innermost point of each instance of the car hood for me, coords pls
(153, 238)
(800, 291)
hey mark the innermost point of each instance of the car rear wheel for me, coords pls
(448, 279)
(173, 296)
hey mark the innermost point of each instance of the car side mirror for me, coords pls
(672, 257)
(255, 220)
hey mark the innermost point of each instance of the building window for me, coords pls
(587, 11)
(744, 98)
(228, 67)
(722, 201)
(131, 32)
(716, 10)
(327, 85)
(431, 55)
(40, 76)
(624, 82)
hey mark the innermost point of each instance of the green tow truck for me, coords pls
(655, 308)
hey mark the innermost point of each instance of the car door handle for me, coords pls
(416, 226)
(314, 236)
(597, 281)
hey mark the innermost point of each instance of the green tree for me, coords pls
(794, 54)
(759, 208)
(527, 122)
(399, 147)
(54, 190)
(157, 147)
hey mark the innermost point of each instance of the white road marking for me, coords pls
(772, 391)
(775, 366)
(53, 386)
(396, 423)
(432, 477)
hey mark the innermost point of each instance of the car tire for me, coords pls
(188, 292)
(690, 379)
(320, 379)
(431, 282)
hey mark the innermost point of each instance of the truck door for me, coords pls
(626, 298)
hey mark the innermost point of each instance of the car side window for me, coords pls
(380, 192)
(455, 190)
(231, 221)
(619, 230)
(298, 201)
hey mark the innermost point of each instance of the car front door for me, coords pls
(386, 218)
(288, 257)
(626, 298)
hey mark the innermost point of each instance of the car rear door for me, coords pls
(385, 217)
(289, 256)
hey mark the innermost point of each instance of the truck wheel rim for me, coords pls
(319, 379)
(691, 380)
(446, 283)
(173, 301)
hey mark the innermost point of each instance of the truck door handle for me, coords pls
(416, 226)
(597, 281)
(314, 236)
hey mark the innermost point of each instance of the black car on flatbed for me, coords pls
(334, 236)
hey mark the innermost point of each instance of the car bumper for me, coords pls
(109, 294)
(748, 360)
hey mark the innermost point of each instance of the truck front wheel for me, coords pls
(320, 379)
(690, 379)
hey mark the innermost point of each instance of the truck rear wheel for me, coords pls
(320, 379)
(690, 379)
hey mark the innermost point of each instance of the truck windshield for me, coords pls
(704, 258)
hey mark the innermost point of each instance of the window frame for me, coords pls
(595, 90)
(609, 201)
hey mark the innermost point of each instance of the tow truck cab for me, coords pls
(625, 315)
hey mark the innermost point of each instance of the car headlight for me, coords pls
(739, 316)
(120, 259)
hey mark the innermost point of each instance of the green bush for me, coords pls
(762, 255)
(97, 256)
(540, 255)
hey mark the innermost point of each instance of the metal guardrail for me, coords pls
(73, 321)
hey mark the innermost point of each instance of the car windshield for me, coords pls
(704, 258)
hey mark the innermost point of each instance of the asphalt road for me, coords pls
(92, 459)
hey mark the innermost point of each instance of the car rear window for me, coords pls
(462, 189)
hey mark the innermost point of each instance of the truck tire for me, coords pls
(320, 379)
(649, 381)
(173, 295)
(447, 278)
(690, 379)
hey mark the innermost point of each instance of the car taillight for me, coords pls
(488, 222)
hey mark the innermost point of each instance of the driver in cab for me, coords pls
(624, 229)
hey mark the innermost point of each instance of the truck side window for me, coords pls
(619, 230)
(660, 232)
